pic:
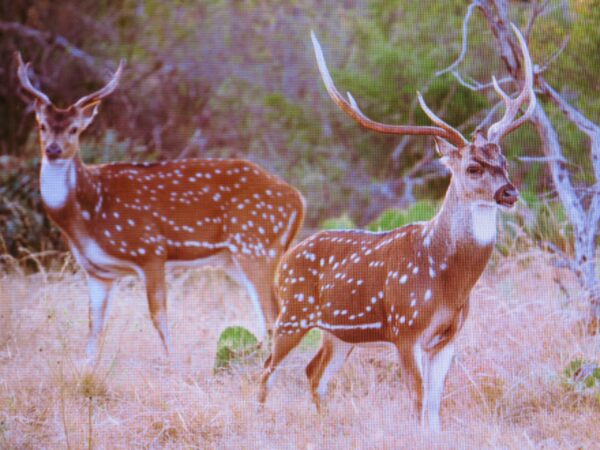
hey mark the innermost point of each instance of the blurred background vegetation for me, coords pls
(237, 78)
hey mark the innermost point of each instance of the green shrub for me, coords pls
(312, 340)
(395, 218)
(24, 226)
(235, 345)
(344, 222)
(544, 221)
(583, 377)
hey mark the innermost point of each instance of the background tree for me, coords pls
(237, 78)
(575, 180)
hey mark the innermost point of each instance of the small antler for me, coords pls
(22, 73)
(95, 97)
(507, 123)
(351, 108)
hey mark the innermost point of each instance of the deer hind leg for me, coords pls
(436, 366)
(156, 291)
(283, 344)
(412, 370)
(257, 278)
(100, 292)
(328, 360)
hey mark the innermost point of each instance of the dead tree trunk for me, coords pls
(583, 214)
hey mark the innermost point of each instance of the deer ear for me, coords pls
(88, 112)
(444, 148)
(448, 151)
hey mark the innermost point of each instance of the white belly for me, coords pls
(95, 260)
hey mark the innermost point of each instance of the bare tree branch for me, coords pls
(487, 120)
(538, 9)
(573, 114)
(46, 38)
(465, 33)
(475, 85)
(554, 56)
(542, 159)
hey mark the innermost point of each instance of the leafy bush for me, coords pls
(583, 377)
(24, 226)
(395, 218)
(540, 221)
(550, 223)
(312, 340)
(235, 345)
(344, 222)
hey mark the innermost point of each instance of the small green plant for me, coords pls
(549, 222)
(312, 340)
(583, 377)
(235, 345)
(395, 218)
(344, 222)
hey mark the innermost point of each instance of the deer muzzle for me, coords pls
(53, 151)
(507, 195)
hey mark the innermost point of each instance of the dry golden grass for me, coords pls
(505, 389)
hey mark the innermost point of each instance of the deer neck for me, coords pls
(68, 191)
(462, 236)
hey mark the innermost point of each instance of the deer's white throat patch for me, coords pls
(57, 179)
(483, 220)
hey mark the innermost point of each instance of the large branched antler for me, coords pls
(22, 73)
(508, 123)
(351, 108)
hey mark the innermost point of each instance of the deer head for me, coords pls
(59, 129)
(478, 168)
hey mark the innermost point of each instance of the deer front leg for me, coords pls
(156, 291)
(283, 344)
(437, 367)
(100, 292)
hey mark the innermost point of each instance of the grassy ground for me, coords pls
(505, 389)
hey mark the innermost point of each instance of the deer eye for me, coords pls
(475, 170)
(43, 128)
(72, 130)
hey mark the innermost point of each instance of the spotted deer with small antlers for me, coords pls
(408, 287)
(138, 218)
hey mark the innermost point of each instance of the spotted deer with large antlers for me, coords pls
(408, 287)
(138, 218)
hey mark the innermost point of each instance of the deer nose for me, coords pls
(53, 151)
(507, 195)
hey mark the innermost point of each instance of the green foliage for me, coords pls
(549, 222)
(237, 78)
(312, 340)
(583, 377)
(577, 68)
(24, 226)
(236, 345)
(396, 218)
(344, 222)
(110, 147)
